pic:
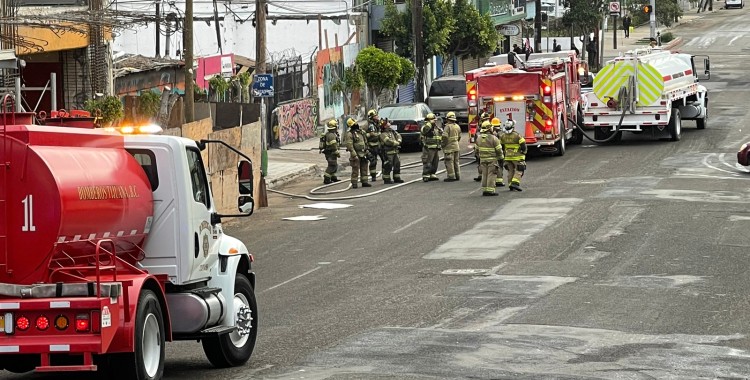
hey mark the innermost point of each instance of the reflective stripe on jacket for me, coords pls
(355, 142)
(451, 137)
(390, 141)
(431, 135)
(489, 147)
(514, 146)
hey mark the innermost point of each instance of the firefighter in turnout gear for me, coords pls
(514, 147)
(357, 148)
(484, 117)
(490, 151)
(329, 145)
(373, 143)
(431, 136)
(451, 150)
(497, 130)
(390, 142)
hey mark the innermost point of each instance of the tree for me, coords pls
(350, 82)
(109, 109)
(407, 71)
(667, 12)
(583, 17)
(148, 105)
(438, 24)
(475, 38)
(380, 70)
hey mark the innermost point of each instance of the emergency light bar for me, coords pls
(149, 129)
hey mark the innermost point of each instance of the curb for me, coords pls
(273, 183)
(673, 44)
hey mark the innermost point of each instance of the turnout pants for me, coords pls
(489, 174)
(451, 165)
(376, 152)
(333, 165)
(359, 170)
(430, 161)
(514, 175)
(392, 162)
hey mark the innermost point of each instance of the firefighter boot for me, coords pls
(450, 180)
(326, 180)
(374, 176)
(499, 184)
(489, 194)
(398, 180)
(387, 181)
(334, 179)
(366, 184)
(515, 186)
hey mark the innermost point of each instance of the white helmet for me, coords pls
(508, 126)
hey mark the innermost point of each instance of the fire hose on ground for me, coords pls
(625, 100)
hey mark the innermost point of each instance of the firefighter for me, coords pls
(329, 145)
(497, 130)
(390, 142)
(357, 148)
(431, 135)
(373, 143)
(484, 117)
(451, 150)
(514, 147)
(490, 151)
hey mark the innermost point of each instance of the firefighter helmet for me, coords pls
(430, 116)
(371, 113)
(484, 116)
(486, 126)
(451, 116)
(333, 124)
(509, 125)
(496, 122)
(350, 122)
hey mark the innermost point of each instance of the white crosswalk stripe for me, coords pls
(505, 230)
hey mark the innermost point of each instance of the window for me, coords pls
(448, 88)
(198, 177)
(399, 113)
(147, 160)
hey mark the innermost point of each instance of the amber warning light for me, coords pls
(149, 129)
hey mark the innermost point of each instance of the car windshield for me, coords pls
(448, 88)
(399, 113)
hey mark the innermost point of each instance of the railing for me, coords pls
(5, 190)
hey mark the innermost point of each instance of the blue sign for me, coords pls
(263, 85)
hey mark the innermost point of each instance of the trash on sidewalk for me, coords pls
(326, 206)
(305, 218)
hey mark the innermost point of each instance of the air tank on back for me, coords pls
(65, 190)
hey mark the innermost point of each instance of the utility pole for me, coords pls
(187, 40)
(652, 18)
(614, 31)
(416, 23)
(260, 36)
(158, 29)
(538, 26)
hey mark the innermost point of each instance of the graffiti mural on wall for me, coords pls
(297, 120)
(330, 66)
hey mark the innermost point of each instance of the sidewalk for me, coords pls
(642, 32)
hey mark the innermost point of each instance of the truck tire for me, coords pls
(577, 137)
(560, 145)
(147, 362)
(701, 123)
(234, 349)
(675, 125)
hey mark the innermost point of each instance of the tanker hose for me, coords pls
(342, 198)
(626, 103)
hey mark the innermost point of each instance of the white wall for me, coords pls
(285, 39)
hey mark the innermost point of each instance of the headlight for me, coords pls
(743, 147)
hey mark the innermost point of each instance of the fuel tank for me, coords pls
(64, 190)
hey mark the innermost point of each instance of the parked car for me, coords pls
(743, 156)
(734, 3)
(407, 119)
(447, 94)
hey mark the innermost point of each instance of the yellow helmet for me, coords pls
(333, 124)
(430, 116)
(486, 126)
(371, 113)
(496, 122)
(451, 116)
(350, 122)
(485, 116)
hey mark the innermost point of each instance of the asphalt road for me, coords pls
(627, 261)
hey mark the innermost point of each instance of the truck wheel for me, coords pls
(560, 145)
(577, 138)
(701, 123)
(675, 125)
(147, 362)
(233, 349)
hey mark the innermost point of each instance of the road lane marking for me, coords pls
(506, 229)
(410, 224)
(735, 39)
(292, 279)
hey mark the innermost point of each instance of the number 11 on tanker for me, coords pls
(28, 214)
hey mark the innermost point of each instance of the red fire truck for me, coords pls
(541, 96)
(111, 245)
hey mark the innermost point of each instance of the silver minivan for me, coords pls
(447, 94)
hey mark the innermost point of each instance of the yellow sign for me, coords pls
(97, 193)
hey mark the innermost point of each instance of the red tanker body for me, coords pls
(72, 190)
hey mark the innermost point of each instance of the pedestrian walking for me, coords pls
(626, 25)
(497, 130)
(514, 149)
(329, 146)
(490, 151)
(431, 135)
(485, 117)
(373, 143)
(356, 145)
(451, 149)
(390, 142)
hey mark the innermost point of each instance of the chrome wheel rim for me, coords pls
(151, 345)
(243, 320)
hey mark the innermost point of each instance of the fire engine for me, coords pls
(647, 90)
(543, 95)
(110, 245)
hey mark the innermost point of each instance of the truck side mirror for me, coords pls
(707, 64)
(245, 204)
(245, 176)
